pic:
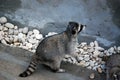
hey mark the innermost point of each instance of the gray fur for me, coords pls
(113, 67)
(52, 49)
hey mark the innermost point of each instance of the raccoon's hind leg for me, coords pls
(31, 68)
(55, 66)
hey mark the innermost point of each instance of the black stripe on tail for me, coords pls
(31, 68)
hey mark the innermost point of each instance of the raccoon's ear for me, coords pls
(82, 27)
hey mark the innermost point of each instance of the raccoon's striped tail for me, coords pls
(31, 68)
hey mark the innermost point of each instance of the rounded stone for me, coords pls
(96, 43)
(1, 27)
(25, 30)
(51, 33)
(39, 36)
(118, 48)
(82, 63)
(16, 32)
(20, 30)
(5, 29)
(99, 48)
(92, 44)
(32, 41)
(99, 70)
(83, 44)
(3, 41)
(86, 57)
(87, 64)
(35, 31)
(9, 25)
(11, 31)
(96, 53)
(29, 45)
(3, 20)
(92, 63)
(92, 76)
(79, 58)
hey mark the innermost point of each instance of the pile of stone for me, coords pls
(87, 55)
(90, 56)
(21, 37)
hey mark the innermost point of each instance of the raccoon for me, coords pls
(113, 67)
(52, 49)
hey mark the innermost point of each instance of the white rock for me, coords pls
(20, 30)
(7, 39)
(73, 60)
(96, 53)
(99, 48)
(111, 50)
(82, 63)
(96, 43)
(118, 48)
(3, 41)
(92, 44)
(39, 36)
(95, 68)
(86, 57)
(81, 50)
(87, 64)
(33, 41)
(11, 31)
(92, 76)
(1, 27)
(29, 45)
(91, 50)
(51, 33)
(79, 58)
(83, 44)
(1, 35)
(9, 25)
(89, 67)
(25, 30)
(20, 35)
(16, 32)
(99, 70)
(30, 33)
(11, 39)
(3, 20)
(67, 56)
(33, 51)
(92, 63)
(5, 29)
(16, 39)
(15, 27)
(35, 31)
(17, 44)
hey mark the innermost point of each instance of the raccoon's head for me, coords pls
(74, 28)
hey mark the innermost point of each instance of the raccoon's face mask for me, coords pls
(75, 28)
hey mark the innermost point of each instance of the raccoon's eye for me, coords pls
(73, 32)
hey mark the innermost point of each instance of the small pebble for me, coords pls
(99, 70)
(92, 76)
(25, 30)
(9, 25)
(3, 20)
(35, 31)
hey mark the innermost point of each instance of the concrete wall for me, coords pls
(101, 16)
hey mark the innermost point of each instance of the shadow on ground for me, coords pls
(14, 60)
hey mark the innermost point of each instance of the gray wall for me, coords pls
(101, 16)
